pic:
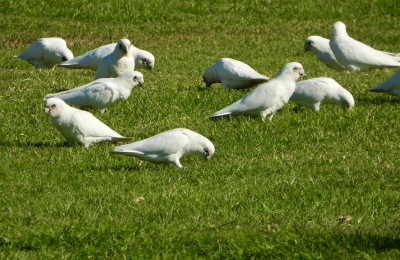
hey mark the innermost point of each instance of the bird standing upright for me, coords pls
(267, 98)
(355, 55)
(118, 62)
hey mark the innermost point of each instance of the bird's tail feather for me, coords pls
(220, 114)
(376, 90)
(67, 65)
(121, 139)
(127, 152)
(49, 96)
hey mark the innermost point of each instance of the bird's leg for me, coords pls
(177, 163)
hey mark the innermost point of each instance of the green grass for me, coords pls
(272, 190)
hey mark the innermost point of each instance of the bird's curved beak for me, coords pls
(125, 48)
(307, 46)
(148, 64)
(140, 81)
(346, 105)
(47, 109)
(206, 154)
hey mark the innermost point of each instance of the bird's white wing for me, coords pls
(165, 143)
(94, 94)
(307, 90)
(89, 126)
(103, 71)
(35, 52)
(238, 71)
(358, 53)
(89, 60)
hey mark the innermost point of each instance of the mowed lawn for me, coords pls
(306, 185)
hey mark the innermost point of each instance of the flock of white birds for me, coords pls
(116, 77)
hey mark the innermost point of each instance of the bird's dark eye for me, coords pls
(53, 106)
(134, 77)
(144, 61)
(206, 151)
(63, 58)
(295, 69)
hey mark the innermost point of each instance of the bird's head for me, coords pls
(143, 59)
(148, 63)
(207, 152)
(54, 106)
(124, 45)
(209, 76)
(347, 100)
(138, 78)
(134, 78)
(207, 148)
(293, 70)
(308, 44)
(67, 55)
(339, 28)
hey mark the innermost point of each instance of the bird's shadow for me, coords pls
(34, 144)
(379, 100)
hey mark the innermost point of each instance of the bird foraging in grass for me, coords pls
(169, 147)
(316, 92)
(232, 74)
(46, 53)
(91, 59)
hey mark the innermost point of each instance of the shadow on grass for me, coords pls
(122, 167)
(383, 98)
(244, 246)
(33, 144)
(136, 165)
